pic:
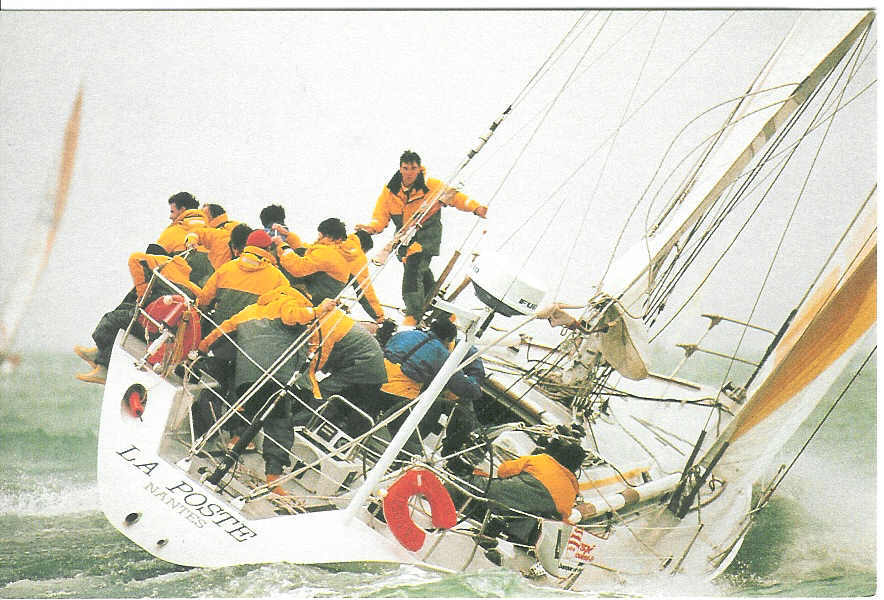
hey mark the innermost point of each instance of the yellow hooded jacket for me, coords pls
(265, 338)
(401, 206)
(173, 237)
(239, 282)
(325, 266)
(558, 481)
(174, 269)
(216, 238)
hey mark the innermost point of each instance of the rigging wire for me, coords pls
(570, 176)
(819, 425)
(667, 285)
(795, 205)
(670, 284)
(601, 173)
(711, 141)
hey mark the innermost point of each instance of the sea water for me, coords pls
(816, 538)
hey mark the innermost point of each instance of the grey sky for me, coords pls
(311, 110)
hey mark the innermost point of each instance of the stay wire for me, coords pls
(795, 205)
(532, 217)
(766, 157)
(686, 262)
(819, 425)
(611, 146)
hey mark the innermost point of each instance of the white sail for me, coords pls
(812, 353)
(814, 47)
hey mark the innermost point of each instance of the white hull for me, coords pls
(164, 505)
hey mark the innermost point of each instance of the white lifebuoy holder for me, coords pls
(398, 514)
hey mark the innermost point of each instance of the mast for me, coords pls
(632, 274)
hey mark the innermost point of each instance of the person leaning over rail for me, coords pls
(353, 361)
(141, 265)
(325, 266)
(264, 331)
(402, 198)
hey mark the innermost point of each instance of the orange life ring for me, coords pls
(398, 514)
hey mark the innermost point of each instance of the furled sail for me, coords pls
(803, 61)
(20, 293)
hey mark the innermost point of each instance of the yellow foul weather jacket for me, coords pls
(216, 238)
(173, 237)
(174, 269)
(240, 282)
(558, 481)
(359, 270)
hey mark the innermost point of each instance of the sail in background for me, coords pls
(20, 294)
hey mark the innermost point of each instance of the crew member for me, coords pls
(216, 236)
(239, 282)
(325, 267)
(360, 243)
(404, 196)
(412, 359)
(264, 331)
(141, 266)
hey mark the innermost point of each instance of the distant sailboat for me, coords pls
(18, 296)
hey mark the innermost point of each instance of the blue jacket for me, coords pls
(422, 364)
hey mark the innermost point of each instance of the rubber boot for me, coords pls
(87, 354)
(414, 304)
(276, 489)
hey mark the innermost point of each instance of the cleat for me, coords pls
(97, 375)
(87, 354)
(276, 489)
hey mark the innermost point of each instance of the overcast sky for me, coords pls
(307, 109)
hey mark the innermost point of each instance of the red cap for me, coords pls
(259, 238)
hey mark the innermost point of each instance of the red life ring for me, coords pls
(398, 514)
(170, 310)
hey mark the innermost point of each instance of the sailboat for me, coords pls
(19, 295)
(682, 408)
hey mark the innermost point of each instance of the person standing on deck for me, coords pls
(400, 199)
